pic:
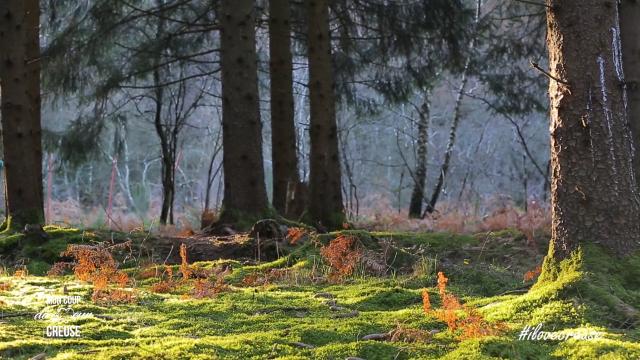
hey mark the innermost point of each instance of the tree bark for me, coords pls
(20, 80)
(431, 206)
(630, 33)
(283, 129)
(325, 199)
(245, 192)
(163, 132)
(420, 175)
(593, 189)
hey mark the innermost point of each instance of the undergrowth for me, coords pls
(320, 301)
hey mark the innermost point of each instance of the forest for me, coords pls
(320, 179)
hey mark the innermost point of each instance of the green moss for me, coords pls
(500, 348)
(9, 242)
(364, 350)
(5, 226)
(38, 267)
(510, 233)
(607, 284)
(436, 241)
(265, 322)
(31, 246)
(483, 280)
(608, 349)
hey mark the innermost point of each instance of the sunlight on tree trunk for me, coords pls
(630, 33)
(593, 190)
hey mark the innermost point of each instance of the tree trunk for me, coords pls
(168, 156)
(283, 129)
(167, 170)
(245, 192)
(431, 206)
(20, 78)
(630, 33)
(211, 172)
(420, 175)
(593, 189)
(325, 200)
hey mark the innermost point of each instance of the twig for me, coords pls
(484, 243)
(516, 291)
(40, 356)
(547, 74)
(167, 258)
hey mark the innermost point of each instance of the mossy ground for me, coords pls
(265, 322)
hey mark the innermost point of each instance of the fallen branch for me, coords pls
(351, 314)
(378, 337)
(302, 345)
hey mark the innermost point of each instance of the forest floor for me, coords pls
(310, 300)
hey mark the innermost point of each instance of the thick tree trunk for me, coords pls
(593, 190)
(245, 193)
(630, 33)
(325, 200)
(283, 129)
(420, 175)
(20, 81)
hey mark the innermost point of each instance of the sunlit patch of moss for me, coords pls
(239, 272)
(609, 349)
(500, 348)
(605, 283)
(362, 349)
(381, 298)
(568, 292)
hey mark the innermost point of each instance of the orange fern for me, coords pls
(426, 303)
(165, 286)
(185, 269)
(294, 235)
(96, 265)
(466, 319)
(533, 274)
(342, 255)
(21, 273)
(5, 286)
(442, 283)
